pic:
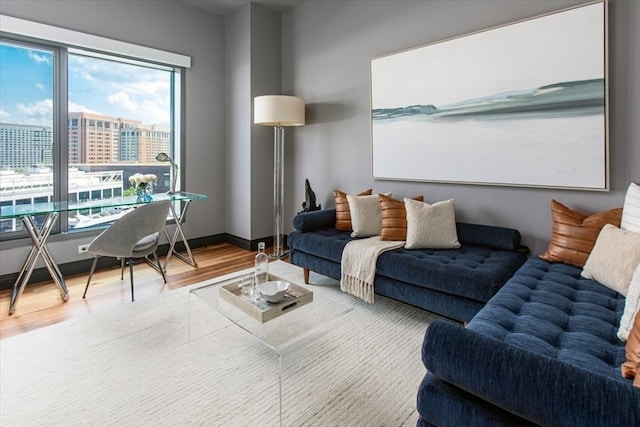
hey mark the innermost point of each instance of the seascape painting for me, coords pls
(522, 105)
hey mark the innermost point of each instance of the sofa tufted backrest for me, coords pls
(488, 235)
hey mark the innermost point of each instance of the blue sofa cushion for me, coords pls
(474, 272)
(550, 309)
(442, 404)
(326, 243)
(316, 220)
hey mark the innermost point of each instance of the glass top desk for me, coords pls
(51, 212)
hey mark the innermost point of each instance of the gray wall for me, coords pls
(327, 46)
(324, 57)
(170, 26)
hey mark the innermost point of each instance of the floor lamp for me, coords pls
(278, 111)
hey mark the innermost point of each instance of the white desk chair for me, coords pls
(135, 235)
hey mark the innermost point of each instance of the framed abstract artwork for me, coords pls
(524, 104)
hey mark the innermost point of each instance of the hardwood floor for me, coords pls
(41, 304)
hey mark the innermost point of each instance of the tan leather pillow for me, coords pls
(631, 368)
(574, 233)
(394, 217)
(343, 216)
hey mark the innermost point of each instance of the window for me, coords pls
(76, 124)
(26, 126)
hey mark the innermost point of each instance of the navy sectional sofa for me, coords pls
(543, 351)
(455, 283)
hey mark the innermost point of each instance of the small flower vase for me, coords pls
(144, 193)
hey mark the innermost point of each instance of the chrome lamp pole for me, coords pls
(278, 111)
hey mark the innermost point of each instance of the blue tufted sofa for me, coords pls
(455, 283)
(543, 351)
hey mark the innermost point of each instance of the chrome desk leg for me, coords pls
(51, 265)
(189, 259)
(39, 238)
(178, 232)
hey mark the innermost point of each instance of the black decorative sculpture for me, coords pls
(309, 203)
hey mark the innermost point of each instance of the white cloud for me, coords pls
(5, 116)
(40, 86)
(40, 57)
(120, 90)
(78, 108)
(145, 86)
(155, 114)
(39, 113)
(124, 100)
(38, 108)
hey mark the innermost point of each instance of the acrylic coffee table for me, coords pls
(319, 339)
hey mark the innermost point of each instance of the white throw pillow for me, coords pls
(431, 226)
(614, 258)
(631, 306)
(631, 209)
(366, 216)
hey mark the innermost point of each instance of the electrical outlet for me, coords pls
(83, 248)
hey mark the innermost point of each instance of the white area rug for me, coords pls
(135, 366)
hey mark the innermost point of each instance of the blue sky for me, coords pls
(95, 85)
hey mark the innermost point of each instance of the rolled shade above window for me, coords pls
(78, 39)
(278, 110)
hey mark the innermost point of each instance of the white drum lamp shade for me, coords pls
(278, 111)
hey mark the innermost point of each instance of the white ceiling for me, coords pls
(225, 7)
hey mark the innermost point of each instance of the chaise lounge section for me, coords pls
(543, 351)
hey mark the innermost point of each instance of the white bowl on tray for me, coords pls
(274, 290)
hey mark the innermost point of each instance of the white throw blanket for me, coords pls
(359, 260)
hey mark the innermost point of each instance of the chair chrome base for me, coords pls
(130, 262)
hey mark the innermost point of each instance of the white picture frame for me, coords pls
(524, 104)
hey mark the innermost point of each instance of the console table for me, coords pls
(51, 210)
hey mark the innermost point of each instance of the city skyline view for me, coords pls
(117, 118)
(98, 86)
